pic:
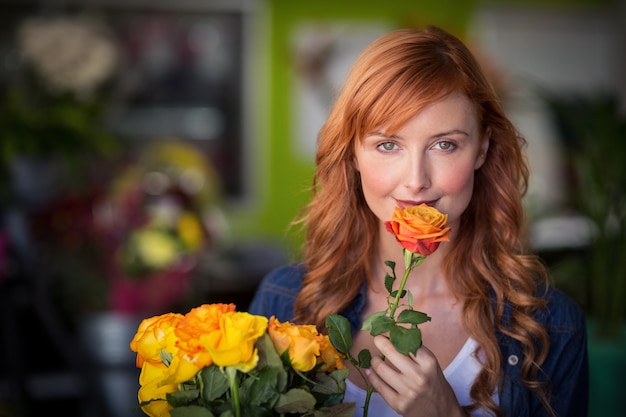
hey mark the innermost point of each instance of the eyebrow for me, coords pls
(451, 132)
(438, 135)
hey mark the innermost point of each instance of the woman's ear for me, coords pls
(484, 147)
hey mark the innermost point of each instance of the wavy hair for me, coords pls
(488, 264)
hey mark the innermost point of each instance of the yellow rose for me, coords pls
(153, 335)
(156, 394)
(233, 343)
(330, 358)
(419, 229)
(200, 321)
(300, 340)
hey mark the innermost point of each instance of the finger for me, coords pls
(397, 371)
(397, 359)
(380, 375)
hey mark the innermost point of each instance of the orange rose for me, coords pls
(301, 341)
(197, 323)
(419, 229)
(330, 358)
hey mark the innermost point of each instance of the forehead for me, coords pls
(452, 111)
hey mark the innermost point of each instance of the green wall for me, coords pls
(281, 177)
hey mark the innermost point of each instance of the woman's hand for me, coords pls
(412, 385)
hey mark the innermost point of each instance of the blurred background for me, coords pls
(153, 153)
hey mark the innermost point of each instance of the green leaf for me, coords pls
(339, 375)
(365, 357)
(339, 332)
(410, 299)
(393, 293)
(392, 265)
(254, 411)
(382, 324)
(214, 383)
(268, 357)
(295, 401)
(367, 323)
(191, 411)
(406, 340)
(324, 384)
(184, 397)
(390, 278)
(339, 410)
(329, 388)
(412, 317)
(264, 388)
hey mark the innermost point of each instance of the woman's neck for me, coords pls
(425, 279)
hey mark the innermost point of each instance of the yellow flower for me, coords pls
(300, 340)
(233, 343)
(156, 338)
(153, 335)
(155, 248)
(190, 230)
(204, 359)
(154, 396)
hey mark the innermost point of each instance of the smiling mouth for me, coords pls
(402, 204)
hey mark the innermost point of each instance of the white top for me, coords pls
(460, 374)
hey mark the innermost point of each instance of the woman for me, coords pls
(417, 122)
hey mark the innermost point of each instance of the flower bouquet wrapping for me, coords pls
(216, 361)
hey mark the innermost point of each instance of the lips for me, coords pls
(402, 204)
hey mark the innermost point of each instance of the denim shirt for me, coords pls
(566, 366)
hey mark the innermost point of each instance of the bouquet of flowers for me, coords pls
(154, 224)
(216, 361)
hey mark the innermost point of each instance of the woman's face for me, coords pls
(431, 159)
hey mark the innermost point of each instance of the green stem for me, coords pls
(231, 372)
(411, 260)
(368, 395)
(396, 300)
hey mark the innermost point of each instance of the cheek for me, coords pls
(459, 180)
(378, 181)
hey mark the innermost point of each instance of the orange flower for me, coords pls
(199, 321)
(330, 358)
(300, 340)
(419, 229)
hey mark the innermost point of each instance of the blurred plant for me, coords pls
(136, 245)
(593, 132)
(52, 94)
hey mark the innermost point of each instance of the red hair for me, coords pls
(395, 77)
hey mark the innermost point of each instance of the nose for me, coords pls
(417, 175)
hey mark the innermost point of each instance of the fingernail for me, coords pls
(368, 371)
